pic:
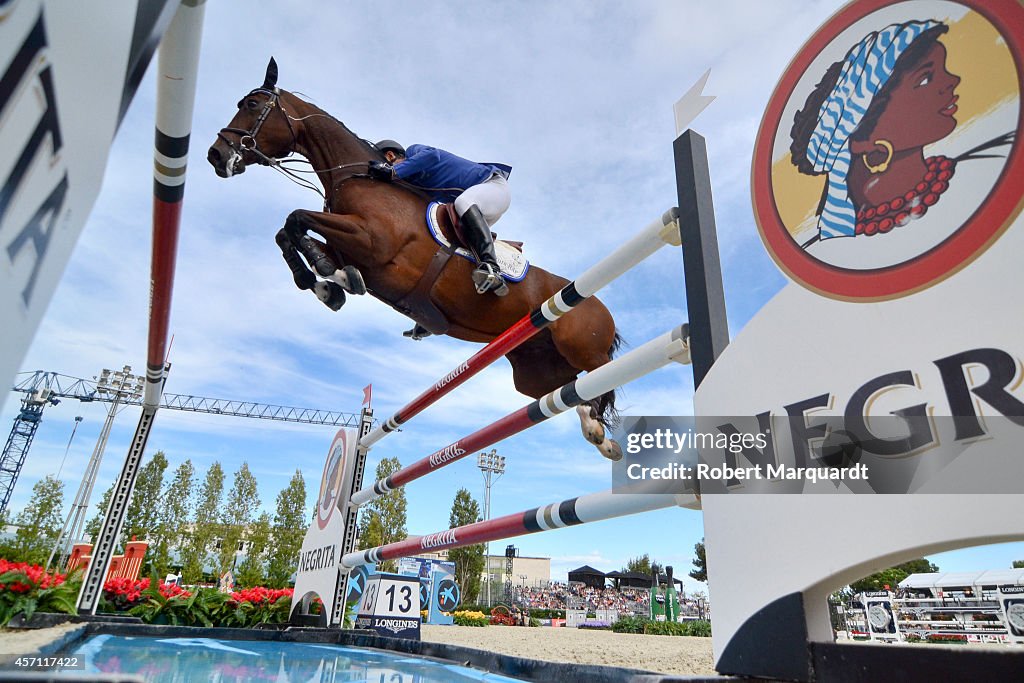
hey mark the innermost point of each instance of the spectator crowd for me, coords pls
(560, 596)
(578, 596)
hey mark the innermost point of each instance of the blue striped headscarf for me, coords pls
(867, 68)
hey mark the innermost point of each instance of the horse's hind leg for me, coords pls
(594, 431)
(585, 339)
(538, 368)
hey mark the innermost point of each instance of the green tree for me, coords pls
(371, 532)
(6, 544)
(172, 518)
(469, 560)
(141, 517)
(643, 565)
(390, 512)
(700, 563)
(251, 572)
(205, 527)
(92, 527)
(889, 578)
(243, 502)
(40, 522)
(1018, 564)
(290, 524)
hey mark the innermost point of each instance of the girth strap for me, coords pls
(417, 303)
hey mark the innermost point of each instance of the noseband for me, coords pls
(247, 138)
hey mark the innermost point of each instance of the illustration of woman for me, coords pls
(866, 124)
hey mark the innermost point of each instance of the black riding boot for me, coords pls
(487, 276)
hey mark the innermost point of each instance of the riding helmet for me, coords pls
(385, 145)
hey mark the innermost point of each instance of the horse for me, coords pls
(373, 239)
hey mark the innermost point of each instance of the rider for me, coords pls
(480, 193)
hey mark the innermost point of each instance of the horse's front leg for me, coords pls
(332, 295)
(304, 278)
(349, 277)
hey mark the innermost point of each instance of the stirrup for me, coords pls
(417, 332)
(487, 278)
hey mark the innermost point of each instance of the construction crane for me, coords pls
(43, 388)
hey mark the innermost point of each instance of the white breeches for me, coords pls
(492, 197)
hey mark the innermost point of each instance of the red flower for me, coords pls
(31, 577)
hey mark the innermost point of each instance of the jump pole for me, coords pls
(662, 231)
(178, 71)
(593, 507)
(658, 352)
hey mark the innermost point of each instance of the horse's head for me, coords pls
(259, 132)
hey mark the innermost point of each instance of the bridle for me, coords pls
(247, 143)
(247, 138)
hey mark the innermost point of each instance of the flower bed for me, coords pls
(595, 624)
(662, 628)
(26, 589)
(466, 618)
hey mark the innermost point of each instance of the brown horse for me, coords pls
(375, 240)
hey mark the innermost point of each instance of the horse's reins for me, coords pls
(247, 142)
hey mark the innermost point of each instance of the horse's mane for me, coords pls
(370, 147)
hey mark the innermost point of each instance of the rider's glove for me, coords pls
(381, 170)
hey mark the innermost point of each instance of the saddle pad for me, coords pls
(513, 264)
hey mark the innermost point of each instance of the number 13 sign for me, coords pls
(390, 605)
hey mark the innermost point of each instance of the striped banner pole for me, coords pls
(660, 232)
(673, 345)
(593, 507)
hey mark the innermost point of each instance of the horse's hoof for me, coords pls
(354, 283)
(611, 450)
(592, 430)
(330, 294)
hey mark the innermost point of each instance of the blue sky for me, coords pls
(577, 96)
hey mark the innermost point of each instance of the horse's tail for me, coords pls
(604, 406)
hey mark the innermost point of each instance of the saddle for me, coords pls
(444, 226)
(444, 218)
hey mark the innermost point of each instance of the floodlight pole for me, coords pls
(120, 385)
(490, 464)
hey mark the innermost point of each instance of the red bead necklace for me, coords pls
(872, 220)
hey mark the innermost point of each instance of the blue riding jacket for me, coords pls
(443, 175)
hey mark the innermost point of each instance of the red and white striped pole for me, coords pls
(664, 230)
(673, 345)
(177, 74)
(176, 93)
(593, 507)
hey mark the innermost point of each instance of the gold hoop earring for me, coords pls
(884, 166)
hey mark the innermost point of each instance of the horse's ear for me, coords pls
(270, 82)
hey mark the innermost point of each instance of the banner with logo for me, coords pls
(320, 558)
(68, 71)
(887, 185)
